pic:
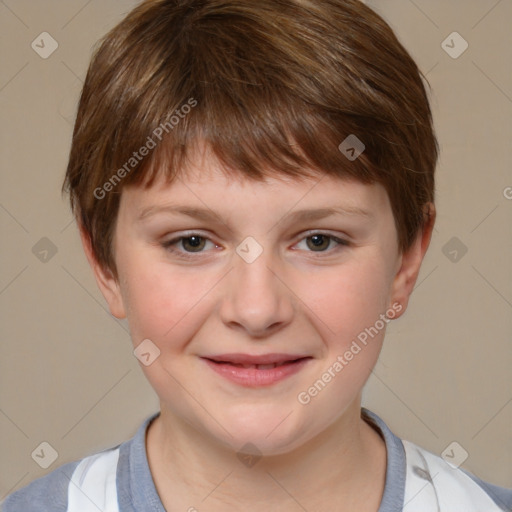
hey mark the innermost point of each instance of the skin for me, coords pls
(294, 298)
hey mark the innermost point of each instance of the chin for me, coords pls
(271, 430)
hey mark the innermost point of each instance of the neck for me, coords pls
(343, 465)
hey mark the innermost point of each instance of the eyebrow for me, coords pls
(205, 214)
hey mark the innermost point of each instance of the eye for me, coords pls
(195, 242)
(185, 245)
(320, 242)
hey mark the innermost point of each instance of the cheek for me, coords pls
(343, 301)
(345, 305)
(163, 304)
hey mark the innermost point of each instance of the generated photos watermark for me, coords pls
(342, 360)
(145, 149)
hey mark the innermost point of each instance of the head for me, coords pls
(241, 109)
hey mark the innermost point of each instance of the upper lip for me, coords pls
(255, 359)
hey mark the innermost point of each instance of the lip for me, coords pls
(229, 367)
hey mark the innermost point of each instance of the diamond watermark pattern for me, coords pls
(249, 250)
(44, 45)
(45, 455)
(454, 249)
(44, 250)
(352, 147)
(249, 455)
(454, 45)
(146, 352)
(454, 454)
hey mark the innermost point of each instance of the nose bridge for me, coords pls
(255, 300)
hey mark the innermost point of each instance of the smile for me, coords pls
(256, 371)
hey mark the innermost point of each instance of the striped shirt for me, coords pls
(119, 480)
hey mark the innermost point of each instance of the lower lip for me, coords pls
(252, 377)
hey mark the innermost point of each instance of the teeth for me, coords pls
(266, 366)
(258, 366)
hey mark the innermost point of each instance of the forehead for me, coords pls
(205, 183)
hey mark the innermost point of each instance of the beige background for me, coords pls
(68, 376)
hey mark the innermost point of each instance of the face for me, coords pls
(264, 302)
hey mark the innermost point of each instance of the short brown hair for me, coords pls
(275, 86)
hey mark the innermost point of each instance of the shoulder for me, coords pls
(76, 486)
(49, 492)
(420, 481)
(433, 482)
(108, 480)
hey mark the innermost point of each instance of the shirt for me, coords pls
(119, 480)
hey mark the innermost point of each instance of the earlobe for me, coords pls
(107, 283)
(410, 262)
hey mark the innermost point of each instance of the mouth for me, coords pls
(257, 370)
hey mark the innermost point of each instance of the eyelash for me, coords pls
(168, 245)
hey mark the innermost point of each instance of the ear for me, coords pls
(410, 262)
(106, 281)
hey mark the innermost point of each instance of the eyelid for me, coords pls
(175, 239)
(168, 244)
(326, 232)
(340, 240)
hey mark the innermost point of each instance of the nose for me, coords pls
(256, 300)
